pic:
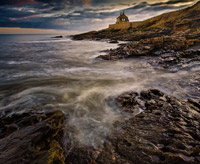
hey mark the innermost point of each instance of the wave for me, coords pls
(61, 74)
(49, 41)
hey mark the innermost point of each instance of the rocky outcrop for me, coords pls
(175, 59)
(31, 138)
(156, 128)
(171, 52)
(166, 132)
(159, 129)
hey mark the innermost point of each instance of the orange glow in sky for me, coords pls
(17, 30)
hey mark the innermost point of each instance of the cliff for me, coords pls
(176, 21)
(182, 22)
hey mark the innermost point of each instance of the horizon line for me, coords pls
(19, 30)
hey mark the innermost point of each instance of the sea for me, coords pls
(41, 73)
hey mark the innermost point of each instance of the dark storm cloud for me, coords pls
(17, 2)
(79, 14)
(172, 2)
(48, 2)
(178, 1)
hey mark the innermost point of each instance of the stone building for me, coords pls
(122, 18)
(122, 22)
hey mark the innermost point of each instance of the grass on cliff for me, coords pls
(178, 20)
(182, 21)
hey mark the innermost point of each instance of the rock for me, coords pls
(195, 103)
(113, 41)
(172, 50)
(168, 137)
(165, 132)
(60, 36)
(125, 48)
(158, 52)
(156, 92)
(147, 47)
(31, 138)
(187, 159)
(175, 59)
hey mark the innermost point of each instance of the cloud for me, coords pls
(174, 2)
(26, 17)
(178, 1)
(83, 15)
(17, 2)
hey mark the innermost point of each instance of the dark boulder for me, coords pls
(113, 41)
(57, 37)
(31, 138)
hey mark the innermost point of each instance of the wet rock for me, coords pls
(165, 132)
(172, 52)
(125, 48)
(176, 59)
(158, 52)
(127, 51)
(31, 138)
(57, 37)
(147, 47)
(195, 103)
(113, 41)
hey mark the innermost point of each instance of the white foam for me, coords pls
(48, 41)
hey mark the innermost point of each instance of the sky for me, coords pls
(74, 16)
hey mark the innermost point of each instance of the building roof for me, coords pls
(123, 16)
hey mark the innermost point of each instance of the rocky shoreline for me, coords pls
(159, 128)
(166, 131)
(171, 37)
(167, 51)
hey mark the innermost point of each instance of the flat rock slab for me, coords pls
(31, 138)
(166, 132)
